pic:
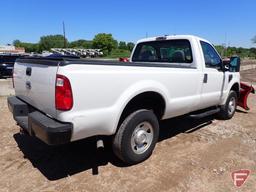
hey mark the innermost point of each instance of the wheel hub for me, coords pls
(231, 105)
(142, 137)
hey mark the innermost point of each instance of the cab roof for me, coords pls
(169, 37)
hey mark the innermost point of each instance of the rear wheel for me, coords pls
(136, 137)
(227, 111)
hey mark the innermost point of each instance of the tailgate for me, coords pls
(34, 81)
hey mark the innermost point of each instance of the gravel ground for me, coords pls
(191, 155)
(6, 87)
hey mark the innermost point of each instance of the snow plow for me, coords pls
(245, 90)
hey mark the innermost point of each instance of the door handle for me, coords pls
(230, 77)
(205, 78)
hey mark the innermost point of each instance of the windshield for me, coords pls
(170, 51)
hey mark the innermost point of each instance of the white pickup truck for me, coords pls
(60, 100)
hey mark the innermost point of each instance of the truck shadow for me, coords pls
(56, 162)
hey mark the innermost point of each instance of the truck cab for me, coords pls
(216, 77)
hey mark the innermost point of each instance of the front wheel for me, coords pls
(136, 137)
(227, 110)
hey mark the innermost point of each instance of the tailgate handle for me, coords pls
(28, 71)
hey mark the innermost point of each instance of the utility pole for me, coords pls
(64, 34)
(225, 46)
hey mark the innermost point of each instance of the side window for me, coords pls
(211, 57)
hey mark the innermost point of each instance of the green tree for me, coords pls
(29, 47)
(130, 46)
(115, 44)
(105, 42)
(81, 43)
(52, 41)
(17, 43)
(252, 52)
(254, 39)
(122, 45)
(220, 49)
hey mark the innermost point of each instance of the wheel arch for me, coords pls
(148, 99)
(236, 87)
(135, 92)
(152, 100)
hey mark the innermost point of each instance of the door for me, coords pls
(213, 78)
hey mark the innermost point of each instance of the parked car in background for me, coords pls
(6, 64)
(57, 55)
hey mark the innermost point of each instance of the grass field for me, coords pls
(117, 53)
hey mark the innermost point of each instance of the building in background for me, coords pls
(10, 49)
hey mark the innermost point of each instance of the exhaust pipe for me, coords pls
(100, 144)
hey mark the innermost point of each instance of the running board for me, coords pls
(205, 113)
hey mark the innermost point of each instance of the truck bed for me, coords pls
(68, 61)
(102, 89)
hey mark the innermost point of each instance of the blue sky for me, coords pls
(219, 21)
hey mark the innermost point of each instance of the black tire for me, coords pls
(227, 112)
(126, 137)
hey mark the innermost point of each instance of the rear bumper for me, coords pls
(49, 130)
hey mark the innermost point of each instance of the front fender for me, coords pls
(228, 85)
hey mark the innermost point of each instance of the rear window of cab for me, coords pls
(168, 51)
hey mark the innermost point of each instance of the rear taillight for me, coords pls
(63, 94)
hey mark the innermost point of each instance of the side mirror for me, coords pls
(234, 64)
(231, 64)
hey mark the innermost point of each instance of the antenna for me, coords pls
(64, 34)
(225, 45)
(226, 37)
